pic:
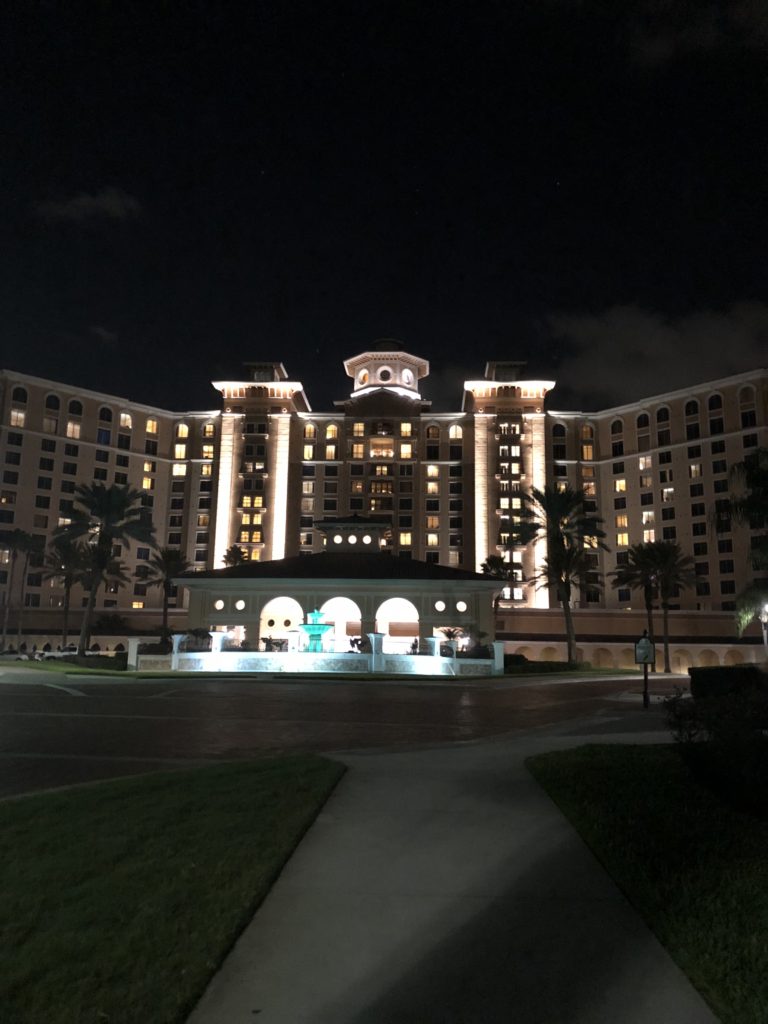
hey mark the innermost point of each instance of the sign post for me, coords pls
(645, 655)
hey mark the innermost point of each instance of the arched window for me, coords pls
(433, 433)
(105, 414)
(310, 430)
(662, 415)
(455, 433)
(747, 395)
(52, 402)
(692, 408)
(642, 421)
(617, 427)
(209, 430)
(182, 430)
(715, 402)
(126, 420)
(558, 430)
(20, 395)
(75, 408)
(331, 432)
(587, 432)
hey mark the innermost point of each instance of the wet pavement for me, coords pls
(60, 730)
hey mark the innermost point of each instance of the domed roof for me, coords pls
(387, 345)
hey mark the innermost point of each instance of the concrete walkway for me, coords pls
(443, 887)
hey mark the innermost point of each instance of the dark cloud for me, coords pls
(626, 353)
(107, 204)
(102, 334)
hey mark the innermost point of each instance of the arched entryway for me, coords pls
(398, 619)
(279, 617)
(345, 616)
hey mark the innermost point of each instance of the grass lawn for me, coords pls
(119, 900)
(694, 868)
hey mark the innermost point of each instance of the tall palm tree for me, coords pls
(31, 549)
(557, 515)
(15, 542)
(65, 560)
(106, 516)
(674, 572)
(752, 603)
(639, 573)
(494, 565)
(234, 555)
(160, 570)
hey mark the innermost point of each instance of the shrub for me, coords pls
(720, 680)
(514, 659)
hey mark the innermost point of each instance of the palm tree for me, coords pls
(65, 560)
(160, 571)
(748, 502)
(639, 573)
(15, 542)
(752, 603)
(496, 566)
(31, 548)
(234, 555)
(674, 572)
(107, 516)
(557, 516)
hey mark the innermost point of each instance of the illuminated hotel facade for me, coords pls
(264, 468)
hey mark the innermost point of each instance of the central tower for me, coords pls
(386, 366)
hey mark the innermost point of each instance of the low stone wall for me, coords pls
(303, 661)
(682, 656)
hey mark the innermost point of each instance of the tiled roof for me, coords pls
(337, 565)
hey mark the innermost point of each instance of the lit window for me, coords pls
(433, 522)
(461, 606)
(645, 462)
(405, 539)
(207, 451)
(179, 469)
(182, 430)
(147, 483)
(455, 433)
(358, 451)
(246, 503)
(517, 593)
(622, 540)
(358, 430)
(649, 536)
(433, 471)
(337, 539)
(622, 521)
(218, 605)
(244, 536)
(203, 520)
(352, 538)
(330, 451)
(406, 430)
(125, 420)
(310, 430)
(149, 467)
(694, 470)
(258, 501)
(433, 540)
(240, 605)
(151, 426)
(137, 604)
(433, 487)
(331, 432)
(206, 469)
(17, 417)
(587, 452)
(366, 538)
(309, 451)
(646, 481)
(619, 485)
(209, 430)
(406, 451)
(648, 518)
(73, 428)
(255, 555)
(179, 451)
(668, 494)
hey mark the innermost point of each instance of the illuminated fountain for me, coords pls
(315, 630)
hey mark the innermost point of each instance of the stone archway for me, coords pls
(708, 659)
(602, 658)
(279, 617)
(345, 615)
(681, 660)
(733, 657)
(398, 619)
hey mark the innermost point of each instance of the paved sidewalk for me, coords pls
(443, 887)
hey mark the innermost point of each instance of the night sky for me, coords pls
(188, 186)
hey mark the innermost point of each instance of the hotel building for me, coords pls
(262, 469)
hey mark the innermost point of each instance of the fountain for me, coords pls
(315, 631)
